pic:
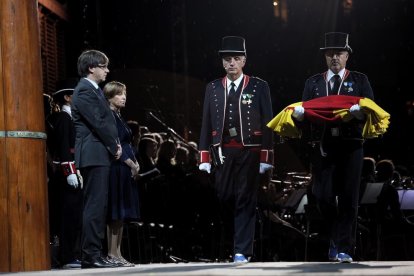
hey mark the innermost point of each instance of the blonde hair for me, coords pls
(113, 88)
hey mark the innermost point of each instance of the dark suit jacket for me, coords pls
(255, 111)
(95, 126)
(354, 84)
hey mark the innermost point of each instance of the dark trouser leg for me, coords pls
(348, 195)
(95, 191)
(71, 223)
(323, 169)
(338, 174)
(238, 180)
(245, 203)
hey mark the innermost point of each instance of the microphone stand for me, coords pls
(171, 131)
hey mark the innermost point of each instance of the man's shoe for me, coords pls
(240, 258)
(97, 263)
(333, 253)
(344, 258)
(73, 264)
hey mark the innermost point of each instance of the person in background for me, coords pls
(193, 157)
(236, 109)
(147, 156)
(388, 205)
(52, 191)
(96, 146)
(166, 158)
(136, 135)
(337, 151)
(66, 178)
(367, 174)
(123, 199)
(182, 158)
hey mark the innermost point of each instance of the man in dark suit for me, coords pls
(236, 110)
(96, 145)
(337, 151)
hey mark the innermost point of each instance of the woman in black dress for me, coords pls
(123, 204)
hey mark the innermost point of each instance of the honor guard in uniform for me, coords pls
(337, 152)
(234, 135)
(66, 178)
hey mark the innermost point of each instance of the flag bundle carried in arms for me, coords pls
(332, 109)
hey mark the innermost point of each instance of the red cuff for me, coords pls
(204, 156)
(266, 156)
(68, 168)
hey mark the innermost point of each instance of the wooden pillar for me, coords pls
(24, 233)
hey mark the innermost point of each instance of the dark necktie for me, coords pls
(101, 94)
(232, 90)
(337, 82)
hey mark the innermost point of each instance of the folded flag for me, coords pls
(332, 109)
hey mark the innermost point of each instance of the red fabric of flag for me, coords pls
(324, 109)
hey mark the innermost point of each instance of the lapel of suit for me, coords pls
(97, 91)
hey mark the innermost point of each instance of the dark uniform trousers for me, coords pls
(338, 174)
(95, 209)
(236, 186)
(71, 221)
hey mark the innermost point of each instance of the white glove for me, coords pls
(72, 180)
(205, 167)
(357, 112)
(264, 167)
(299, 113)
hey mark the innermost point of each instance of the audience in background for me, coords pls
(388, 205)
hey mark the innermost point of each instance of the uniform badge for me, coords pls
(247, 98)
(348, 86)
(232, 132)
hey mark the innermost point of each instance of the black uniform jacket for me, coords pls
(61, 137)
(255, 111)
(353, 84)
(95, 127)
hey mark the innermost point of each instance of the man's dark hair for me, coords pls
(90, 59)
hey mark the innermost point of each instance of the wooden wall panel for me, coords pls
(24, 240)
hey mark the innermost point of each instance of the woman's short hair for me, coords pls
(113, 88)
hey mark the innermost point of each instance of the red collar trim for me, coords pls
(325, 74)
(246, 80)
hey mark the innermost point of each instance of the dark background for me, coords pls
(165, 51)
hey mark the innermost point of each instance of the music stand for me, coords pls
(371, 193)
(302, 203)
(406, 199)
(295, 198)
